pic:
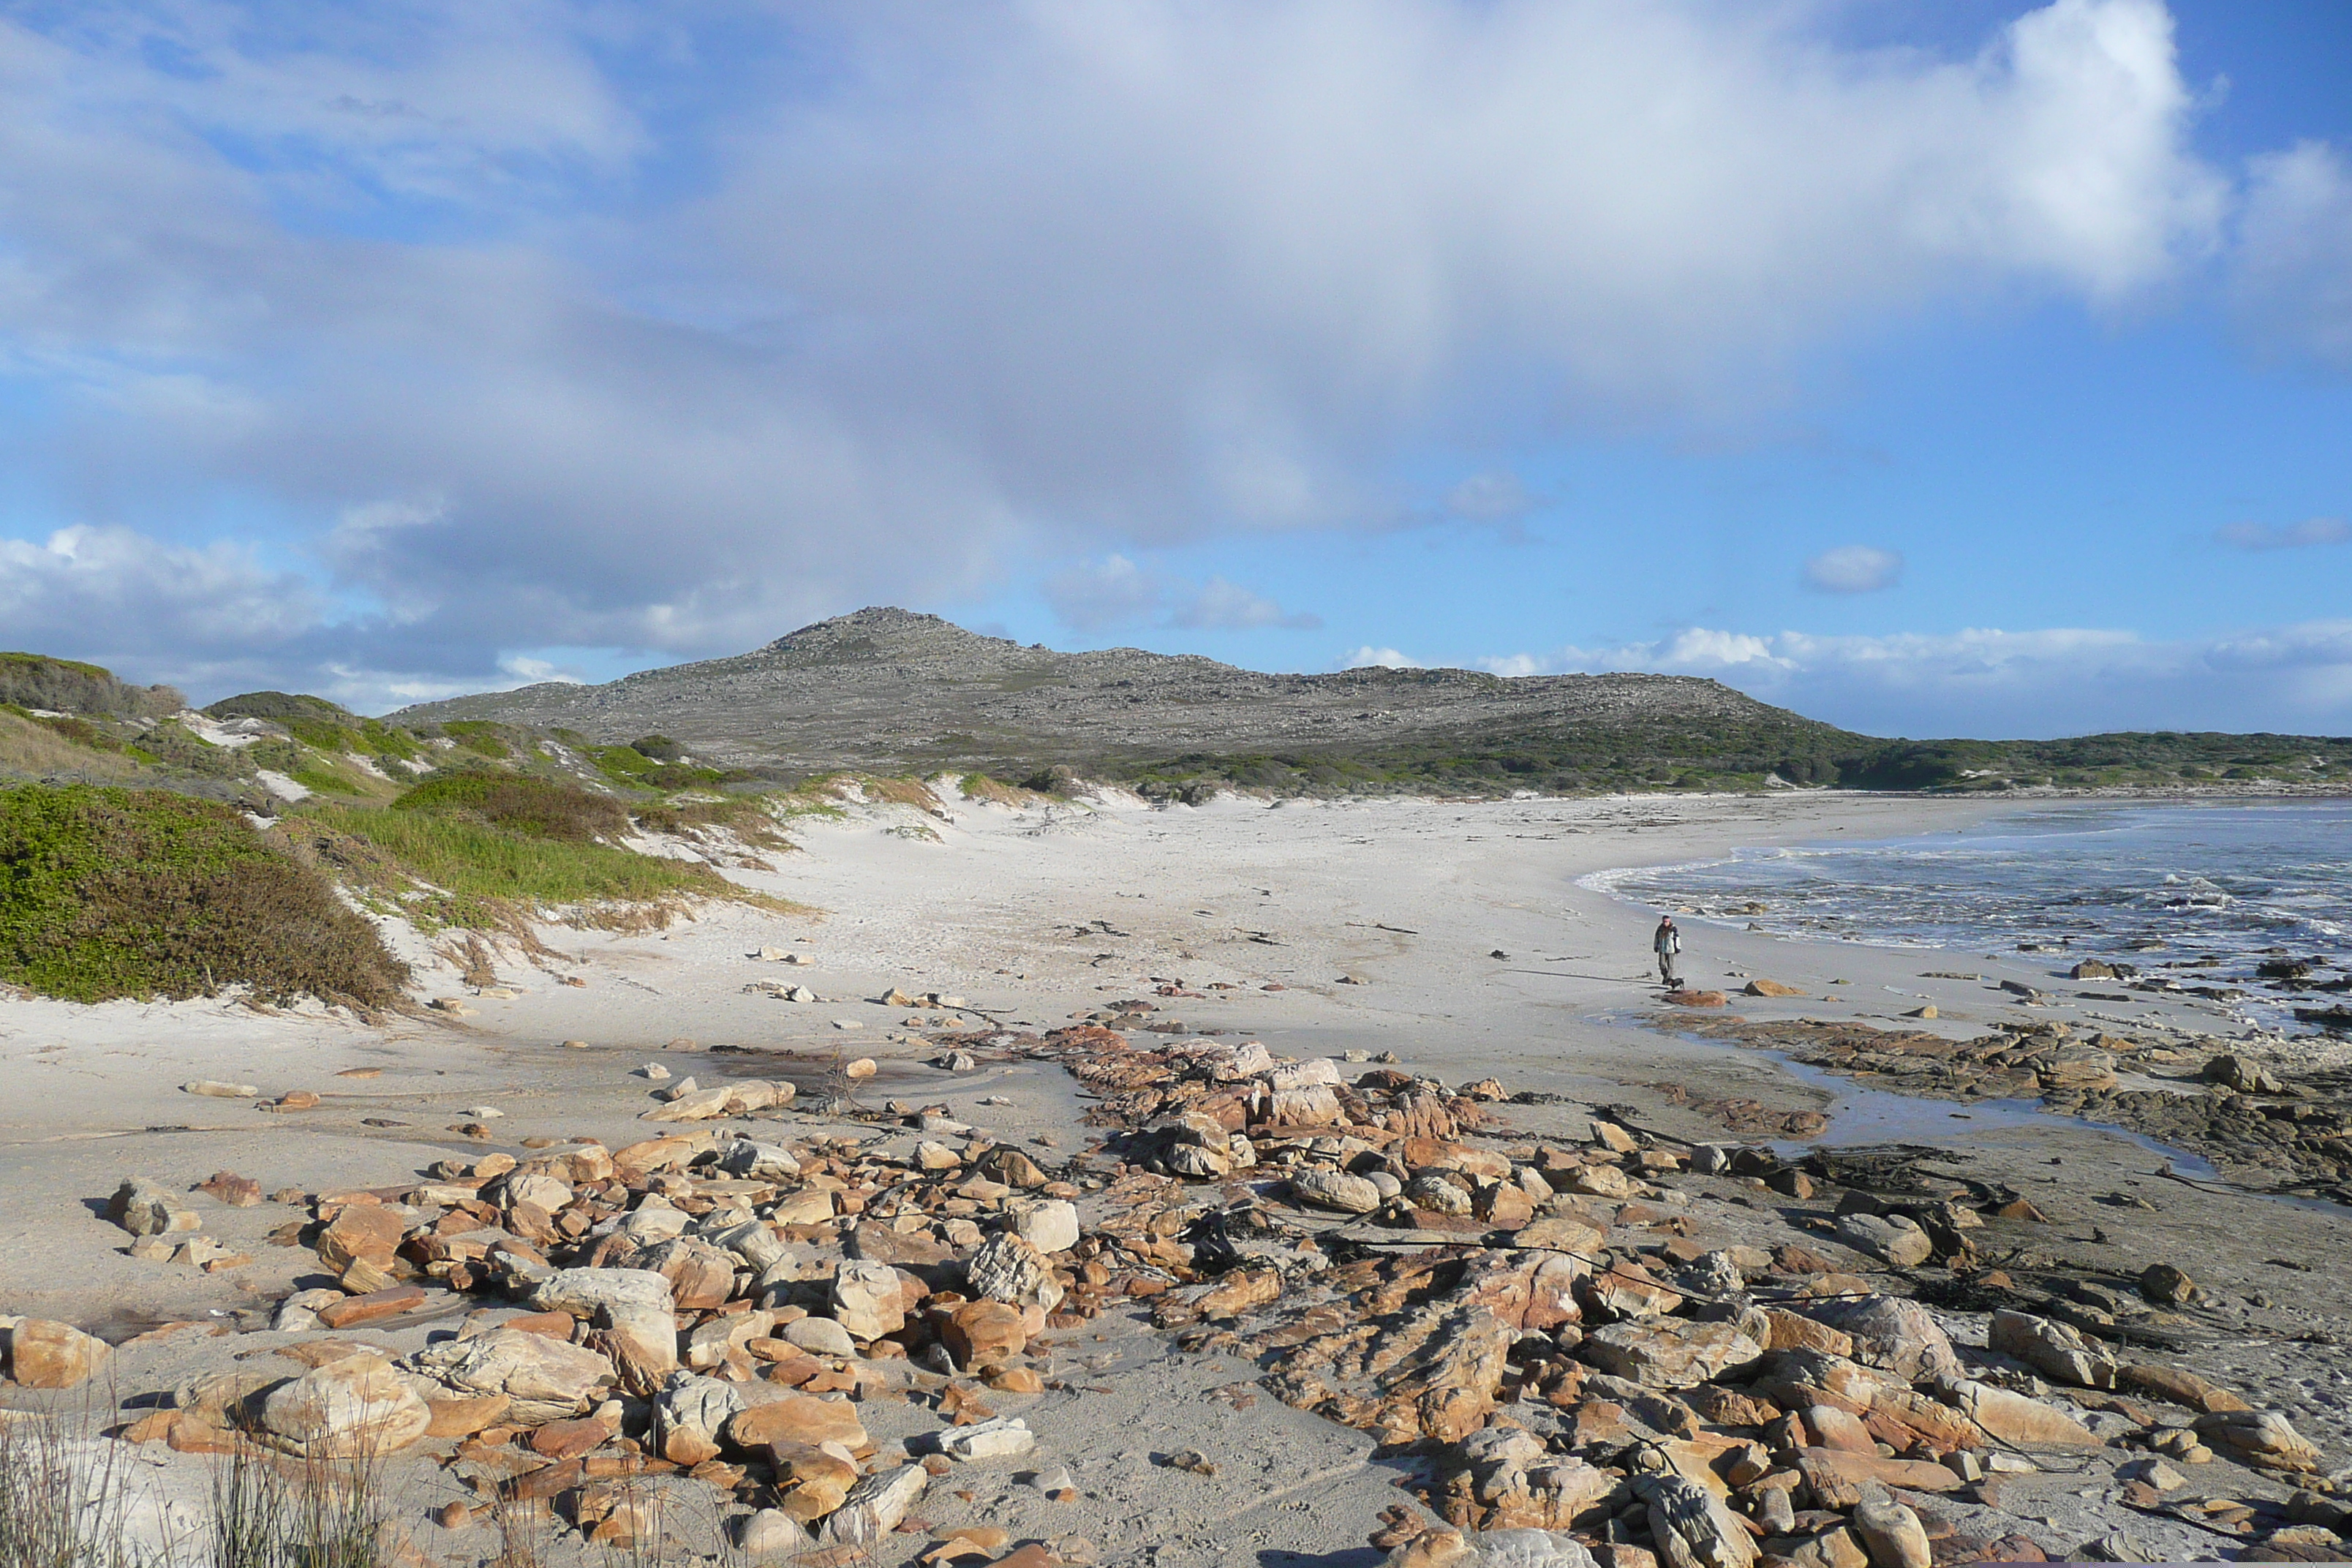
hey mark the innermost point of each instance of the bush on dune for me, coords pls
(496, 848)
(108, 892)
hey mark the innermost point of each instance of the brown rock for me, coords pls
(1892, 1535)
(814, 1482)
(1762, 988)
(801, 1418)
(2175, 1386)
(1791, 1332)
(351, 1407)
(46, 1355)
(355, 1309)
(570, 1439)
(1839, 1480)
(983, 1333)
(463, 1416)
(367, 1231)
(2165, 1285)
(1670, 1353)
(1698, 999)
(228, 1187)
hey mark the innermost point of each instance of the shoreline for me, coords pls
(1380, 921)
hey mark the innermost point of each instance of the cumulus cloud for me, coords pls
(936, 290)
(2294, 536)
(2293, 283)
(2056, 681)
(1220, 606)
(1854, 569)
(1498, 496)
(1093, 597)
(1370, 658)
(204, 613)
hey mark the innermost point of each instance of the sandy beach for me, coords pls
(1454, 935)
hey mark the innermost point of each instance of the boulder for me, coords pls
(1893, 1333)
(1893, 1239)
(1892, 1535)
(355, 1407)
(700, 1276)
(145, 1209)
(2175, 1386)
(876, 1505)
(983, 1333)
(770, 1534)
(819, 1336)
(2243, 1076)
(1007, 1268)
(1049, 1225)
(690, 1415)
(2057, 1350)
(811, 1481)
(544, 1379)
(2015, 1418)
(867, 1300)
(1323, 1187)
(1762, 988)
(757, 1162)
(1004, 1438)
(2165, 1285)
(632, 1305)
(369, 1232)
(797, 1418)
(2262, 1439)
(1691, 1526)
(1670, 1353)
(46, 1355)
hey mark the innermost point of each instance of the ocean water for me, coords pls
(2154, 885)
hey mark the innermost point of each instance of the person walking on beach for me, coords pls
(1668, 942)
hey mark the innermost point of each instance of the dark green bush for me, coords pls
(110, 892)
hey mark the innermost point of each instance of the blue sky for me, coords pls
(1931, 368)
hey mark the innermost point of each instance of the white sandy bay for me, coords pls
(998, 907)
(1032, 917)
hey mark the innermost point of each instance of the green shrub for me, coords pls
(479, 736)
(111, 892)
(483, 876)
(533, 807)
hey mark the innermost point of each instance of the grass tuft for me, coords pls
(61, 1503)
(309, 1513)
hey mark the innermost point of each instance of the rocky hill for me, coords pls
(888, 690)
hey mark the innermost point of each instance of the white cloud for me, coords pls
(1112, 591)
(2293, 283)
(2302, 535)
(1498, 496)
(2295, 678)
(945, 287)
(1220, 606)
(1854, 569)
(1370, 658)
(1094, 597)
(193, 616)
(533, 671)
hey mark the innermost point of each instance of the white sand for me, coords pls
(1031, 917)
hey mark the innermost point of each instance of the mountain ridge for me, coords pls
(884, 687)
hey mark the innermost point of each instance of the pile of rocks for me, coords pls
(1582, 1365)
(695, 1304)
